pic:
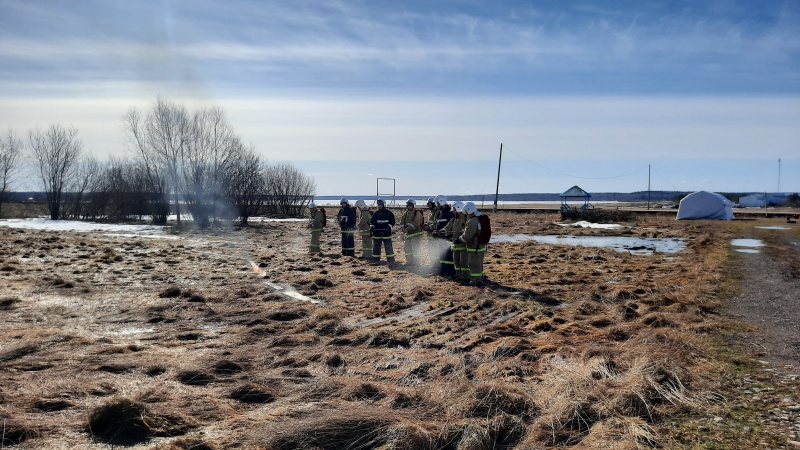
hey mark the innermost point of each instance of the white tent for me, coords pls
(705, 205)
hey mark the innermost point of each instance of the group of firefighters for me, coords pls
(448, 237)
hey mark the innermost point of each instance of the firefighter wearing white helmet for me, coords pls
(316, 222)
(364, 216)
(412, 221)
(347, 221)
(455, 228)
(381, 224)
(441, 246)
(475, 250)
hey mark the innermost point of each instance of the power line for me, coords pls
(667, 181)
(576, 176)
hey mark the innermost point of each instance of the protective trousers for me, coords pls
(386, 241)
(446, 262)
(348, 243)
(475, 263)
(413, 249)
(366, 244)
(314, 246)
(460, 262)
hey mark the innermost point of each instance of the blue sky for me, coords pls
(707, 93)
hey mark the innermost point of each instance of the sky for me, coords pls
(415, 98)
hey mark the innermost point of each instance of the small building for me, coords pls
(575, 193)
(762, 200)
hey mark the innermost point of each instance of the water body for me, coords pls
(633, 245)
(774, 227)
(747, 245)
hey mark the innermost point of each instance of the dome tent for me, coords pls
(705, 205)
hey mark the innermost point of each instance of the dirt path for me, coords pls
(770, 298)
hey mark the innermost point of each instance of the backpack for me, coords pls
(485, 233)
(324, 217)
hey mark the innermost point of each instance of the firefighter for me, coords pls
(442, 242)
(455, 228)
(316, 222)
(430, 227)
(475, 250)
(381, 225)
(412, 222)
(347, 221)
(364, 216)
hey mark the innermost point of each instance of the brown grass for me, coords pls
(568, 346)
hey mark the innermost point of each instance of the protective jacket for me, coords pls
(363, 222)
(346, 218)
(433, 219)
(470, 235)
(412, 222)
(316, 221)
(382, 222)
(455, 228)
(445, 215)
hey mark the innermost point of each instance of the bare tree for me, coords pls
(154, 160)
(160, 139)
(56, 151)
(85, 180)
(246, 185)
(288, 189)
(201, 163)
(10, 157)
(212, 148)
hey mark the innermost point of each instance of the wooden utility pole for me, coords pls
(497, 189)
(648, 186)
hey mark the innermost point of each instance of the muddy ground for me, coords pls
(175, 342)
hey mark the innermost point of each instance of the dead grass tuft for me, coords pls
(118, 422)
(341, 430)
(7, 303)
(252, 394)
(14, 433)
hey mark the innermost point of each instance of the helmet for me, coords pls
(312, 205)
(470, 208)
(343, 200)
(431, 200)
(361, 204)
(458, 206)
(441, 201)
(411, 202)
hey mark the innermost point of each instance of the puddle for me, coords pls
(747, 243)
(773, 227)
(634, 245)
(747, 250)
(585, 224)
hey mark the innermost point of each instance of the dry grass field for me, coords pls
(175, 342)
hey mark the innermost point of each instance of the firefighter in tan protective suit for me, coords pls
(412, 222)
(454, 230)
(316, 222)
(475, 250)
(364, 216)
